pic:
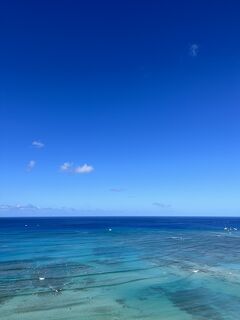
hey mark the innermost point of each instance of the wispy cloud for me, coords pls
(69, 167)
(38, 144)
(161, 205)
(194, 50)
(8, 207)
(29, 210)
(116, 189)
(66, 167)
(84, 169)
(31, 165)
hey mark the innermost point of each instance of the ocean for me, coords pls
(120, 268)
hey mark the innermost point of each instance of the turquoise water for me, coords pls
(122, 268)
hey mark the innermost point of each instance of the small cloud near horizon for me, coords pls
(116, 189)
(8, 207)
(68, 167)
(38, 144)
(161, 205)
(31, 165)
(194, 50)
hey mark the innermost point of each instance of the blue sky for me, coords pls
(127, 107)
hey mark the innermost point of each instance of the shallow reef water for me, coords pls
(120, 268)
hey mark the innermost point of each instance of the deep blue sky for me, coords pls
(145, 93)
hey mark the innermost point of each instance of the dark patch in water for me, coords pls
(25, 278)
(56, 276)
(3, 299)
(195, 302)
(46, 307)
(89, 281)
(122, 302)
(113, 251)
(198, 302)
(103, 310)
(108, 262)
(15, 265)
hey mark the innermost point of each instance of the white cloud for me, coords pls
(194, 50)
(66, 167)
(8, 207)
(117, 190)
(69, 167)
(31, 165)
(38, 144)
(84, 169)
(161, 205)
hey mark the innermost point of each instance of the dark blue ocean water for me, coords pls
(120, 268)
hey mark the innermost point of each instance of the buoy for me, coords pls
(195, 271)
